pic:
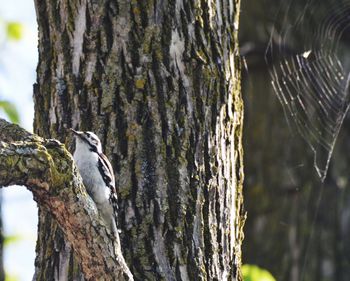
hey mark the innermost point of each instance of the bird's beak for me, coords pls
(75, 132)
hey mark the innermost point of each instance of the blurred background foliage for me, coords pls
(10, 110)
(255, 273)
(14, 30)
(297, 227)
(11, 31)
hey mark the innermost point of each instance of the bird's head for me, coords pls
(89, 139)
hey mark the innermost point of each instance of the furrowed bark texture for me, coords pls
(47, 169)
(158, 81)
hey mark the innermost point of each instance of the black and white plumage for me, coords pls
(97, 174)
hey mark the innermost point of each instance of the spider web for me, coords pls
(311, 81)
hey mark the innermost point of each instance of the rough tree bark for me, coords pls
(158, 81)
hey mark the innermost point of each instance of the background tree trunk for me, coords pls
(158, 81)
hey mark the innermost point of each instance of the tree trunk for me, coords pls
(159, 84)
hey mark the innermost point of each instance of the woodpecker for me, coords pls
(98, 177)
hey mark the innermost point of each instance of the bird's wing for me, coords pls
(108, 176)
(107, 171)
